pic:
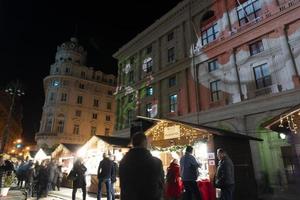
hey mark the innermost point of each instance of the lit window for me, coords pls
(210, 34)
(213, 65)
(148, 109)
(262, 76)
(63, 97)
(55, 83)
(95, 116)
(107, 117)
(173, 103)
(256, 47)
(170, 36)
(96, 103)
(172, 81)
(215, 90)
(93, 130)
(147, 66)
(76, 129)
(171, 55)
(248, 11)
(79, 100)
(149, 91)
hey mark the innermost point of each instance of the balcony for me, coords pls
(264, 91)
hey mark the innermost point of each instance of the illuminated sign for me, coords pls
(172, 132)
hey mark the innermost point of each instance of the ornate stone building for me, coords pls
(232, 64)
(79, 101)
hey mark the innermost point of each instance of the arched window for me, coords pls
(48, 124)
(60, 123)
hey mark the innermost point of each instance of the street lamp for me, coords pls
(14, 89)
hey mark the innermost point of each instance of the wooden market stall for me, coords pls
(92, 153)
(170, 137)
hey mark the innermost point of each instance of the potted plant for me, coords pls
(7, 181)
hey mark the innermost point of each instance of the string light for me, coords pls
(289, 119)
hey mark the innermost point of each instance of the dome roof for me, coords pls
(72, 45)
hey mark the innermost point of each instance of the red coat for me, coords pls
(174, 186)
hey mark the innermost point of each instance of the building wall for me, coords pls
(243, 104)
(69, 78)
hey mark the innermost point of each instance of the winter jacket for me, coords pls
(225, 173)
(174, 183)
(79, 171)
(141, 176)
(189, 167)
(105, 169)
(114, 172)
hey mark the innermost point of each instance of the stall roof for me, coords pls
(212, 130)
(117, 141)
(72, 147)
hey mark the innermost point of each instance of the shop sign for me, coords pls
(172, 132)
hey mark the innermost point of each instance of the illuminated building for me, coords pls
(231, 64)
(79, 101)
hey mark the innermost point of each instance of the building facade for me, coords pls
(231, 64)
(79, 101)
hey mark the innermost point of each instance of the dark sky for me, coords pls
(31, 30)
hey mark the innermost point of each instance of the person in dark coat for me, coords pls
(42, 180)
(224, 178)
(79, 181)
(104, 176)
(29, 176)
(141, 174)
(52, 177)
(59, 176)
(114, 173)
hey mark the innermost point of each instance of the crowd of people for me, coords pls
(142, 175)
(39, 178)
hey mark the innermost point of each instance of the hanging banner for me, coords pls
(172, 132)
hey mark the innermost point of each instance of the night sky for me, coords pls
(31, 30)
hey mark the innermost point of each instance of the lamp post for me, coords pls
(14, 89)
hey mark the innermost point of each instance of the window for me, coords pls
(60, 126)
(76, 129)
(172, 81)
(148, 66)
(171, 55)
(210, 34)
(94, 116)
(56, 70)
(256, 47)
(67, 70)
(215, 90)
(96, 103)
(107, 118)
(55, 83)
(93, 130)
(79, 100)
(48, 125)
(81, 86)
(129, 117)
(148, 109)
(149, 91)
(213, 65)
(108, 105)
(109, 92)
(149, 49)
(52, 96)
(131, 76)
(170, 36)
(173, 103)
(248, 11)
(262, 76)
(82, 74)
(63, 97)
(107, 130)
(78, 113)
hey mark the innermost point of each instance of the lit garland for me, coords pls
(290, 123)
(175, 148)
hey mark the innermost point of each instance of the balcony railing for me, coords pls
(264, 91)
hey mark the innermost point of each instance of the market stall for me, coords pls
(92, 153)
(168, 139)
(41, 155)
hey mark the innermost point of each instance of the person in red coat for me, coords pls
(174, 186)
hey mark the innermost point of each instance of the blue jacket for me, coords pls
(189, 168)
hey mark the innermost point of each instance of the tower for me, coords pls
(79, 100)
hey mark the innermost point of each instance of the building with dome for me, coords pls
(79, 101)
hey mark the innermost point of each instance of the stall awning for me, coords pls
(288, 121)
(73, 148)
(167, 132)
